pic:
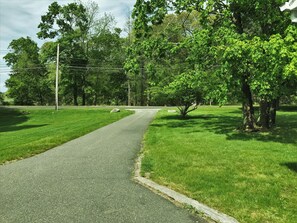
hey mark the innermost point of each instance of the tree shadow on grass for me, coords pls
(286, 132)
(228, 125)
(10, 118)
(176, 121)
(192, 117)
(291, 165)
(288, 108)
(17, 128)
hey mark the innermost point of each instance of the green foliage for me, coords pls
(154, 62)
(28, 82)
(1, 98)
(68, 23)
(184, 92)
(70, 19)
(91, 53)
(241, 51)
(245, 48)
(107, 80)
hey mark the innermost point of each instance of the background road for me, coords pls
(86, 180)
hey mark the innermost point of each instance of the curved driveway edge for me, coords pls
(180, 198)
(86, 180)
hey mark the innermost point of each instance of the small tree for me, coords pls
(184, 93)
(1, 98)
(27, 83)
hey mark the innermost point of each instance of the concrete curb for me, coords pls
(180, 198)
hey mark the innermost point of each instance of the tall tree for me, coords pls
(91, 49)
(106, 57)
(154, 61)
(28, 83)
(69, 23)
(1, 98)
(234, 26)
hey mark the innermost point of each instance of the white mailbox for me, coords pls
(292, 7)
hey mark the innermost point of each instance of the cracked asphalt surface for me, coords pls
(88, 179)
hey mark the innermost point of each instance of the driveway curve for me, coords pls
(86, 180)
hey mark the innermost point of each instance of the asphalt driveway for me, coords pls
(88, 179)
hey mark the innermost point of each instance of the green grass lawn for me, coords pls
(28, 131)
(250, 176)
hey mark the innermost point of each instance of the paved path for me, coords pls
(86, 180)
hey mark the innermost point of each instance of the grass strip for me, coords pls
(250, 176)
(28, 131)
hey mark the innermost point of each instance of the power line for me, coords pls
(19, 69)
(65, 66)
(101, 68)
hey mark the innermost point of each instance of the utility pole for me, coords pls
(57, 77)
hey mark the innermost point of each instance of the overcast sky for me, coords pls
(20, 18)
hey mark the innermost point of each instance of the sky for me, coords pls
(20, 18)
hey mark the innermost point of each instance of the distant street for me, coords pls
(86, 180)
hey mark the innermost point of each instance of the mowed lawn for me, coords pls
(250, 176)
(28, 131)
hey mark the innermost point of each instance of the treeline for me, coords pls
(218, 51)
(92, 56)
(182, 52)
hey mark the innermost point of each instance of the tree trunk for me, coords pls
(237, 17)
(264, 121)
(147, 97)
(96, 90)
(83, 89)
(40, 98)
(83, 97)
(142, 85)
(273, 109)
(268, 113)
(95, 99)
(135, 90)
(183, 110)
(75, 94)
(247, 103)
(129, 93)
(247, 107)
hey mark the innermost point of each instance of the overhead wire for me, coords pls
(10, 70)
